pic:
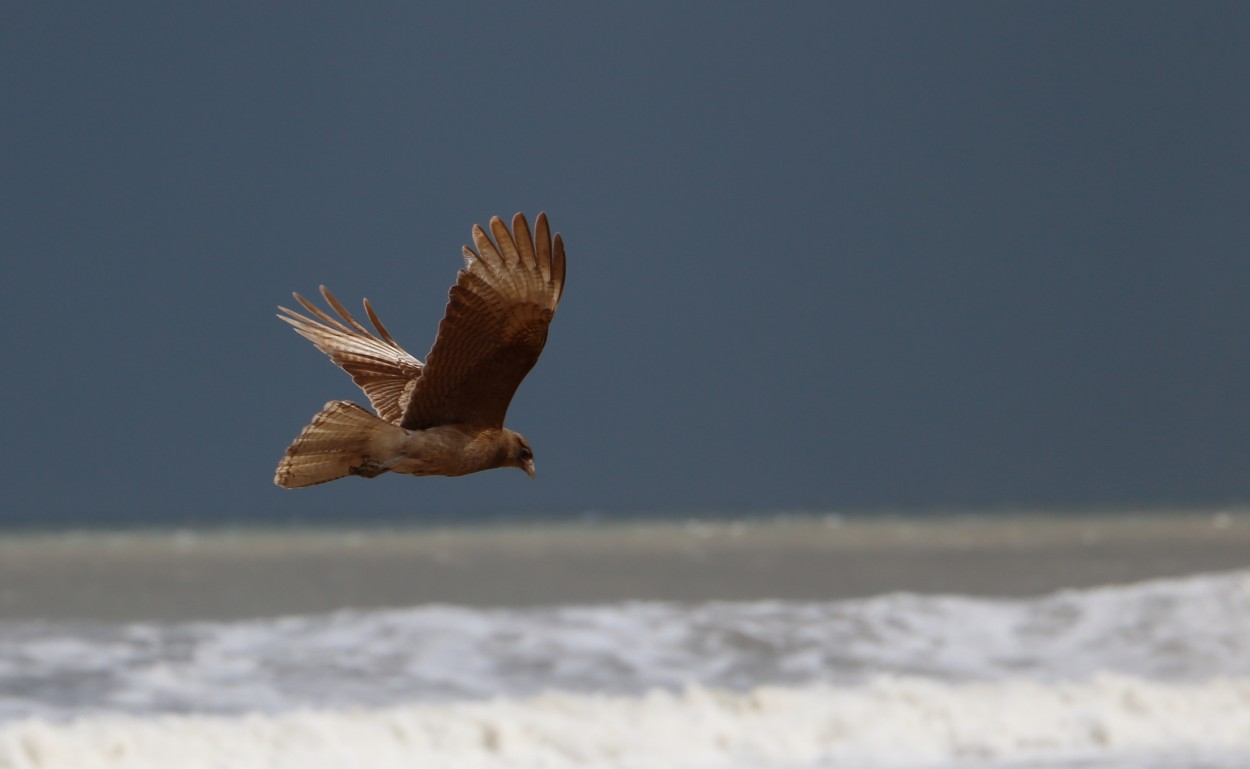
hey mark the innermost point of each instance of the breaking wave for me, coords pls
(1155, 674)
(1109, 721)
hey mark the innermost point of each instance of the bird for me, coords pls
(443, 416)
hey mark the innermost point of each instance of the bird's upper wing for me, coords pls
(494, 329)
(384, 370)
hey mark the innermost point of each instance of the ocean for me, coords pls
(1108, 642)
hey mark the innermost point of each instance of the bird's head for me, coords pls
(519, 453)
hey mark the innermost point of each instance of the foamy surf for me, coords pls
(1148, 676)
(886, 722)
(1180, 629)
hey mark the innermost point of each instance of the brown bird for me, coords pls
(444, 416)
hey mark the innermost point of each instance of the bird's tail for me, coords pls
(343, 439)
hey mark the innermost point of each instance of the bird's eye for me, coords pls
(526, 453)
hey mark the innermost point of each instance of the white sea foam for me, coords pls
(1151, 675)
(1170, 630)
(1108, 721)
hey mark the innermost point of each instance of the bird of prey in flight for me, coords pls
(444, 416)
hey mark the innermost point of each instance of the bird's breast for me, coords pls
(445, 450)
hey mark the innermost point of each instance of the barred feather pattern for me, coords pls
(385, 371)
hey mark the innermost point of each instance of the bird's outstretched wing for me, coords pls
(494, 329)
(384, 370)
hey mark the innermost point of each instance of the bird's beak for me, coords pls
(528, 467)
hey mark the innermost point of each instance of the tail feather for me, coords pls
(342, 439)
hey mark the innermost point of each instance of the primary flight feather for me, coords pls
(444, 416)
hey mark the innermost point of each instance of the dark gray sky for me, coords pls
(821, 256)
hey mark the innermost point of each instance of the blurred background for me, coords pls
(822, 256)
(983, 259)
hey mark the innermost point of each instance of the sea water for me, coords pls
(1143, 676)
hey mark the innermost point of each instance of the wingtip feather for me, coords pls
(542, 244)
(525, 245)
(343, 313)
(507, 246)
(377, 323)
(557, 267)
(486, 249)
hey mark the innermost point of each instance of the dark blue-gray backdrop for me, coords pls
(821, 256)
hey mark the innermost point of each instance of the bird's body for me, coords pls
(444, 416)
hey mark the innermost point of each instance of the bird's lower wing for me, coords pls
(385, 371)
